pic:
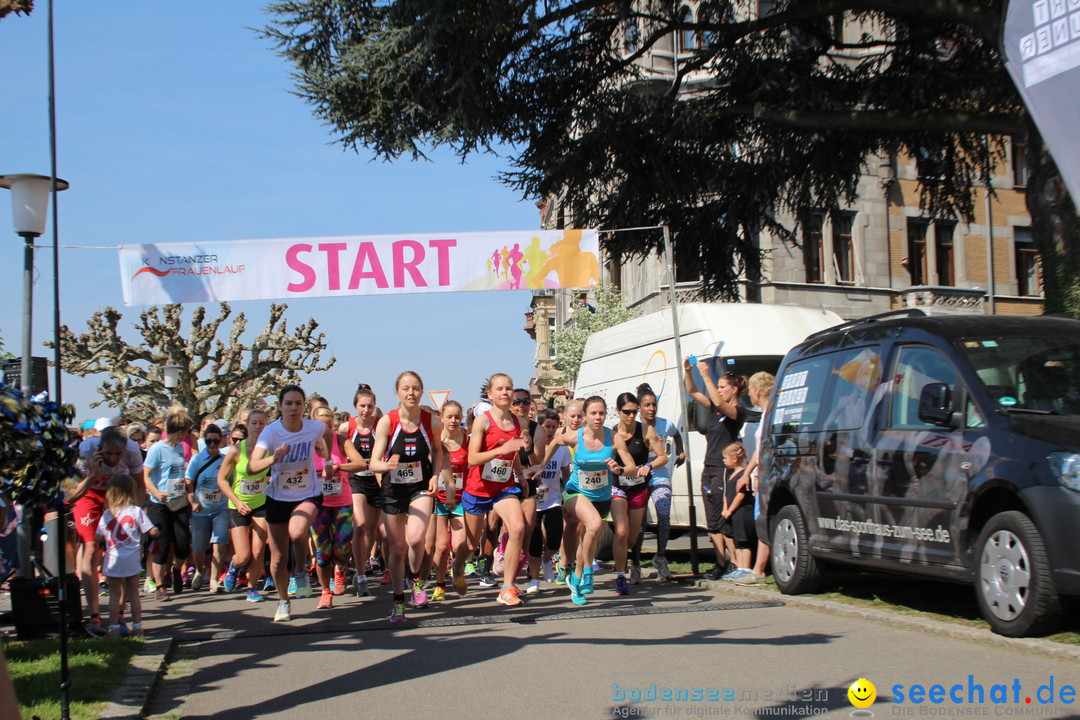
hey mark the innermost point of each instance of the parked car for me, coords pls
(940, 446)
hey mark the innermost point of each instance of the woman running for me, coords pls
(630, 497)
(332, 529)
(288, 447)
(170, 500)
(210, 514)
(588, 492)
(548, 531)
(495, 481)
(659, 481)
(366, 492)
(574, 417)
(449, 515)
(248, 528)
(408, 453)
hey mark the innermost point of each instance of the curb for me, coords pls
(144, 674)
(980, 636)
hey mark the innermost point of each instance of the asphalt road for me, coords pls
(665, 651)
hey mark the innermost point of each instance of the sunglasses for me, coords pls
(629, 412)
(238, 438)
(521, 401)
(213, 441)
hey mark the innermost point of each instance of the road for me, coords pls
(713, 654)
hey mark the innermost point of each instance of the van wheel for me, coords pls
(793, 568)
(605, 544)
(1012, 578)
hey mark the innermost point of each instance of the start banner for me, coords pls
(358, 265)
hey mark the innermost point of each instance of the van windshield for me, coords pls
(1027, 373)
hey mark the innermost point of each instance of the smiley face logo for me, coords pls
(862, 693)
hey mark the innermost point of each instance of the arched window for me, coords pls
(632, 36)
(688, 41)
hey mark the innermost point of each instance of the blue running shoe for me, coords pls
(574, 584)
(293, 584)
(230, 578)
(587, 582)
(621, 588)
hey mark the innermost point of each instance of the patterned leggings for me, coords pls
(660, 494)
(332, 532)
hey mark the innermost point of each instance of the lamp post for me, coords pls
(29, 206)
(171, 378)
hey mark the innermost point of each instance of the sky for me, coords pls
(175, 122)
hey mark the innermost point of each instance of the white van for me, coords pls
(737, 337)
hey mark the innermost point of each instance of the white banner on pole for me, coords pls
(287, 268)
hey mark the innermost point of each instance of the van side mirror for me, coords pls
(935, 405)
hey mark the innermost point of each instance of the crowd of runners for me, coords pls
(303, 502)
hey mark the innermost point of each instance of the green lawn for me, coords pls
(97, 666)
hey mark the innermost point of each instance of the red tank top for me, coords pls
(494, 476)
(459, 466)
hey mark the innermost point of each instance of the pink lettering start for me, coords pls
(407, 263)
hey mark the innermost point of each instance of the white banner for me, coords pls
(358, 265)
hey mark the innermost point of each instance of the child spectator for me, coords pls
(120, 530)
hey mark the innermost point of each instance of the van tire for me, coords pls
(605, 545)
(794, 569)
(1012, 578)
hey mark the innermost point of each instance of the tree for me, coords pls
(569, 341)
(760, 116)
(19, 7)
(218, 377)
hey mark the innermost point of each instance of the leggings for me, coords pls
(174, 528)
(660, 493)
(332, 531)
(550, 520)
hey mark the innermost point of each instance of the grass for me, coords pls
(948, 602)
(97, 666)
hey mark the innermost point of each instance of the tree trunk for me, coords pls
(1055, 227)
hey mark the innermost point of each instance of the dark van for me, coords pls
(941, 446)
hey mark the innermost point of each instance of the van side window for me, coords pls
(856, 374)
(916, 366)
(799, 393)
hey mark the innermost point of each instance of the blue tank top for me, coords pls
(590, 475)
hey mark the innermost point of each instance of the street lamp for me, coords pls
(171, 378)
(29, 205)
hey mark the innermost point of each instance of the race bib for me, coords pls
(331, 487)
(253, 486)
(365, 473)
(499, 470)
(459, 478)
(592, 479)
(296, 481)
(209, 497)
(177, 488)
(541, 495)
(632, 480)
(406, 473)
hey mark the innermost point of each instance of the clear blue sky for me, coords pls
(176, 123)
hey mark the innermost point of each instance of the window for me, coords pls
(688, 35)
(798, 400)
(812, 248)
(943, 241)
(632, 36)
(1028, 276)
(1019, 163)
(843, 249)
(915, 368)
(916, 256)
(856, 374)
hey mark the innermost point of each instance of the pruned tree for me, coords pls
(218, 376)
(569, 341)
(19, 7)
(718, 118)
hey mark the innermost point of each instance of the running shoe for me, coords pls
(189, 575)
(117, 631)
(596, 566)
(284, 611)
(419, 595)
(460, 586)
(149, 586)
(137, 630)
(338, 583)
(560, 577)
(177, 581)
(715, 573)
(574, 584)
(216, 587)
(533, 588)
(470, 568)
(635, 574)
(303, 586)
(439, 595)
(96, 627)
(372, 566)
(587, 582)
(621, 588)
(254, 596)
(662, 571)
(293, 585)
(326, 600)
(268, 584)
(751, 580)
(737, 574)
(361, 587)
(488, 580)
(162, 595)
(385, 578)
(509, 596)
(398, 613)
(197, 580)
(103, 588)
(548, 570)
(230, 578)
